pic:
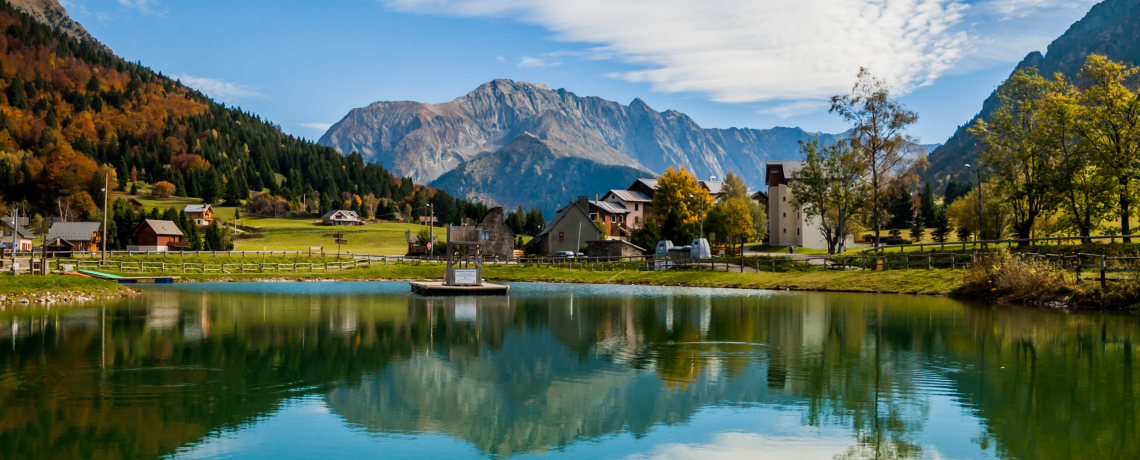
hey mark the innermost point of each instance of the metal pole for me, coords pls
(106, 193)
(15, 236)
(431, 232)
(981, 210)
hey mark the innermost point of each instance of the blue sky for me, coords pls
(725, 63)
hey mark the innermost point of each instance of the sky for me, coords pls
(726, 63)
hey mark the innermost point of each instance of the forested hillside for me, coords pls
(71, 112)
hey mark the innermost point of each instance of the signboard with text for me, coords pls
(466, 276)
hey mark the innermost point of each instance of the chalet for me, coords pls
(570, 229)
(635, 203)
(135, 203)
(201, 214)
(341, 217)
(429, 220)
(158, 236)
(24, 239)
(715, 188)
(613, 216)
(68, 237)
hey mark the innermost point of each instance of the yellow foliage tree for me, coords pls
(679, 191)
(162, 189)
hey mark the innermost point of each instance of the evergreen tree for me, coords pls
(674, 228)
(134, 188)
(214, 239)
(942, 227)
(900, 210)
(237, 213)
(233, 193)
(917, 231)
(535, 222)
(963, 234)
(929, 209)
(179, 183)
(213, 189)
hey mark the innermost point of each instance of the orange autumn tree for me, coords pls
(679, 204)
(163, 189)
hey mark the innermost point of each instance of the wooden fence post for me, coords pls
(1103, 279)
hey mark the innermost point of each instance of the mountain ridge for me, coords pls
(424, 141)
(1111, 28)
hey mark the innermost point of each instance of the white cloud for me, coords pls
(144, 6)
(528, 61)
(745, 50)
(1008, 9)
(794, 108)
(320, 126)
(733, 446)
(500, 59)
(218, 89)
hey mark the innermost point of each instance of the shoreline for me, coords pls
(36, 289)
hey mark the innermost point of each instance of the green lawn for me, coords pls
(378, 238)
(938, 282)
(766, 249)
(16, 288)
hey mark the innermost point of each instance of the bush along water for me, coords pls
(1003, 277)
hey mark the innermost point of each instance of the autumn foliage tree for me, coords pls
(163, 189)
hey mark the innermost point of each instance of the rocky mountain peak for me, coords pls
(51, 13)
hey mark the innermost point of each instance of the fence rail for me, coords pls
(1009, 242)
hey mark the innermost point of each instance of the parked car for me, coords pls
(565, 254)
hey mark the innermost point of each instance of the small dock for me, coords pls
(437, 288)
(130, 279)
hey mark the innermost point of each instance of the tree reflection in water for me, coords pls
(553, 365)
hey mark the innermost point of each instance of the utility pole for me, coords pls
(431, 232)
(15, 236)
(106, 193)
(981, 211)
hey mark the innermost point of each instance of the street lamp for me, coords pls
(981, 214)
(431, 231)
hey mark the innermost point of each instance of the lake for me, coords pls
(362, 370)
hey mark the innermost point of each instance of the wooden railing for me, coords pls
(1009, 242)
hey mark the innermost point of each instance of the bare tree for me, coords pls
(878, 133)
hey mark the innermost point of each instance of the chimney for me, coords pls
(584, 202)
(595, 196)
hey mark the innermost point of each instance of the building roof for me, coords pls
(651, 183)
(788, 166)
(611, 207)
(557, 217)
(161, 227)
(73, 231)
(621, 242)
(630, 196)
(346, 213)
(756, 193)
(197, 208)
(714, 187)
(20, 230)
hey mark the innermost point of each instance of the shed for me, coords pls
(613, 249)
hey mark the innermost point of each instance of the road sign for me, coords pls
(429, 246)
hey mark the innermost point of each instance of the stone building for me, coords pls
(501, 244)
(613, 249)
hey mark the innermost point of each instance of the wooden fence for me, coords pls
(997, 243)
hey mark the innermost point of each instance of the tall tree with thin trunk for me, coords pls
(1110, 124)
(1020, 148)
(878, 134)
(831, 187)
(1082, 180)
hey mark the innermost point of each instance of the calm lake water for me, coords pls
(363, 370)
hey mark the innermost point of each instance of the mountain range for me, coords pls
(1111, 28)
(426, 141)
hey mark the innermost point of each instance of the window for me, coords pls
(785, 214)
(785, 230)
(613, 219)
(783, 198)
(797, 232)
(636, 219)
(636, 206)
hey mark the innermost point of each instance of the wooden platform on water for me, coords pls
(130, 279)
(437, 288)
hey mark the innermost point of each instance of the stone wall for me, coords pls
(502, 244)
(612, 248)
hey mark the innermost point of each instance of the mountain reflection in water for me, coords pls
(578, 371)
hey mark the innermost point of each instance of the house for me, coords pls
(24, 240)
(787, 225)
(135, 203)
(635, 203)
(158, 236)
(646, 187)
(570, 229)
(499, 236)
(715, 188)
(341, 217)
(67, 237)
(613, 216)
(201, 214)
(429, 220)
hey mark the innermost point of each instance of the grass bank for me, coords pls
(55, 288)
(934, 282)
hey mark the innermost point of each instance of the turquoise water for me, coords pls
(354, 370)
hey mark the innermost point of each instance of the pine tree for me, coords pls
(963, 234)
(917, 231)
(134, 188)
(233, 192)
(214, 239)
(942, 227)
(237, 213)
(929, 209)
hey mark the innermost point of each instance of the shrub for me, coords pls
(162, 190)
(1002, 277)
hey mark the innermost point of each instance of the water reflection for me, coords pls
(565, 369)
